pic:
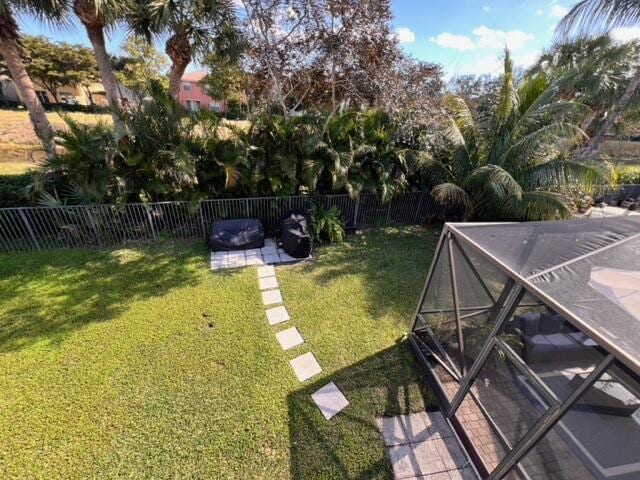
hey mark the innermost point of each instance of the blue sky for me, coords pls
(465, 36)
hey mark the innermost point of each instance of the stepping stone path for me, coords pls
(269, 254)
(305, 366)
(289, 338)
(329, 399)
(422, 445)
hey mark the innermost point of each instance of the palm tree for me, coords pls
(588, 16)
(194, 28)
(602, 72)
(10, 51)
(510, 167)
(96, 16)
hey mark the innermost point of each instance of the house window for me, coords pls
(215, 106)
(193, 105)
(186, 86)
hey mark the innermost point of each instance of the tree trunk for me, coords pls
(618, 110)
(96, 36)
(175, 78)
(179, 51)
(45, 132)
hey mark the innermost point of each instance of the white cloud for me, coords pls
(558, 11)
(485, 37)
(625, 34)
(494, 64)
(490, 38)
(405, 35)
(486, 8)
(450, 40)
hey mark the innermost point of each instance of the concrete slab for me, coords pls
(428, 457)
(289, 338)
(268, 283)
(403, 462)
(305, 366)
(271, 259)
(271, 297)
(277, 315)
(423, 426)
(287, 258)
(392, 431)
(267, 271)
(451, 453)
(255, 261)
(330, 400)
(269, 242)
(269, 251)
(236, 262)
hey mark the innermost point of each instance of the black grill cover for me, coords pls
(295, 234)
(238, 234)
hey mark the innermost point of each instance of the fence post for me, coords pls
(94, 226)
(29, 229)
(246, 207)
(415, 220)
(356, 212)
(200, 214)
(389, 211)
(150, 219)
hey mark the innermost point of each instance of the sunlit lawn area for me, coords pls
(142, 363)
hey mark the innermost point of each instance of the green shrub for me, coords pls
(629, 175)
(14, 190)
(325, 226)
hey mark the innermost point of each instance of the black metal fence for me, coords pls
(36, 228)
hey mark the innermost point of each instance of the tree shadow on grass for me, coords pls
(57, 292)
(393, 262)
(350, 445)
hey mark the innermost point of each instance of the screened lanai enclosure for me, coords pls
(530, 336)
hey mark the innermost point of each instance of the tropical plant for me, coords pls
(511, 166)
(160, 151)
(602, 69)
(82, 171)
(597, 16)
(325, 226)
(10, 51)
(194, 28)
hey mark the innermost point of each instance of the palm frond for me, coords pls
(596, 16)
(538, 206)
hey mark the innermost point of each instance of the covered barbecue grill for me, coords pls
(240, 234)
(295, 234)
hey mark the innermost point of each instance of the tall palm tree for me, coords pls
(602, 72)
(510, 167)
(10, 51)
(589, 16)
(194, 29)
(96, 16)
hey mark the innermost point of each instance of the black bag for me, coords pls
(238, 234)
(295, 234)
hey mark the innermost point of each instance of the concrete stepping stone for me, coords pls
(289, 338)
(255, 260)
(266, 271)
(268, 283)
(271, 297)
(305, 366)
(277, 315)
(330, 400)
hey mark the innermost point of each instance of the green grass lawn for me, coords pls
(142, 363)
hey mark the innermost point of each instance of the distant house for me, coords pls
(92, 94)
(193, 95)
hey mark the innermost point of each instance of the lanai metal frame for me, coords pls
(500, 312)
